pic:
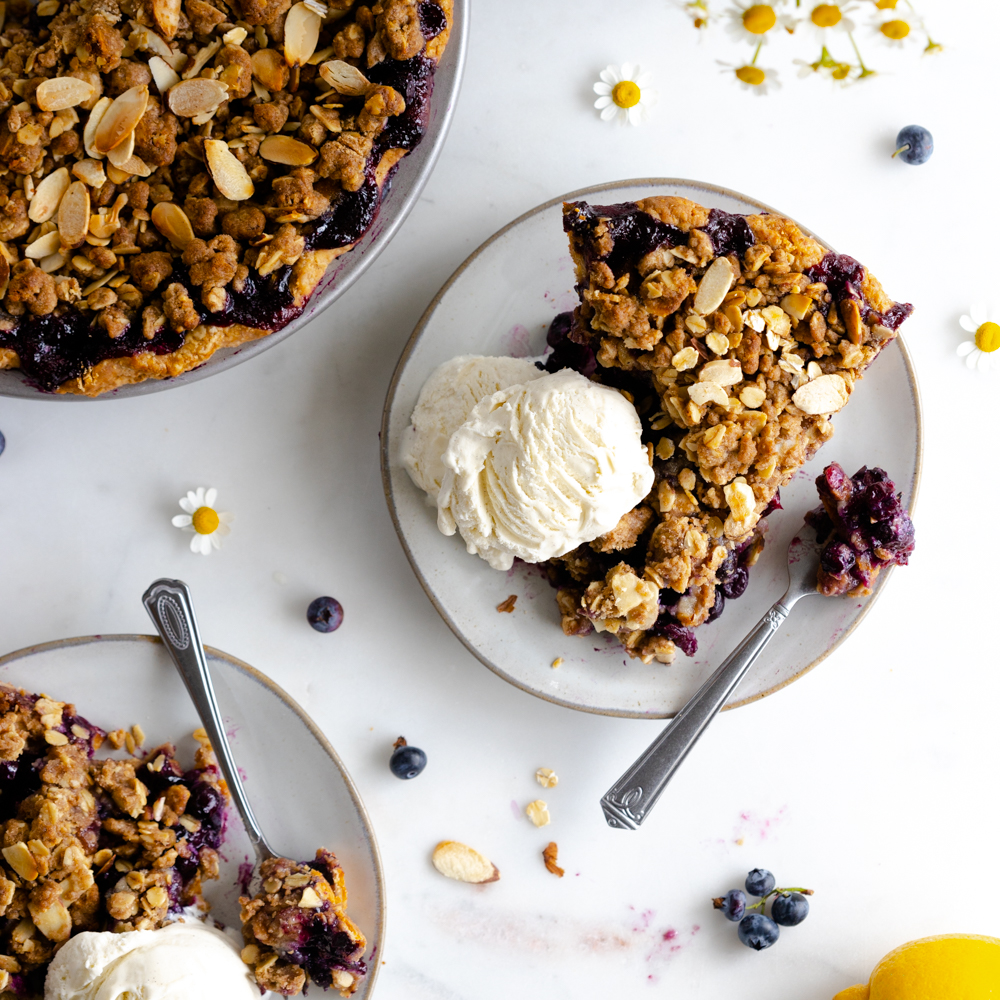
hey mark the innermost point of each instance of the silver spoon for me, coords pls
(169, 605)
(631, 798)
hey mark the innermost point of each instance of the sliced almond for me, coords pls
(167, 15)
(132, 167)
(822, 395)
(328, 118)
(344, 78)
(707, 392)
(460, 862)
(146, 40)
(164, 75)
(202, 56)
(48, 194)
(19, 858)
(63, 92)
(285, 149)
(74, 214)
(229, 174)
(121, 154)
(173, 223)
(121, 118)
(52, 263)
(93, 123)
(270, 69)
(196, 97)
(721, 372)
(302, 26)
(90, 172)
(713, 286)
(43, 246)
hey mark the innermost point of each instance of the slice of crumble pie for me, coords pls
(737, 337)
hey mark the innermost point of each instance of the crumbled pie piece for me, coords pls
(176, 177)
(297, 930)
(738, 337)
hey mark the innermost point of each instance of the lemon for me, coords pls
(947, 967)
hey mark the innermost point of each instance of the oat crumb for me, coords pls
(546, 777)
(557, 662)
(538, 813)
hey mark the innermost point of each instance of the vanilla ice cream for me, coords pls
(445, 402)
(541, 468)
(181, 961)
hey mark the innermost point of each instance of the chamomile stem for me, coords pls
(756, 53)
(865, 71)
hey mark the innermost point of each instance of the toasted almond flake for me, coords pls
(63, 92)
(47, 195)
(74, 214)
(116, 176)
(321, 55)
(52, 263)
(705, 392)
(229, 174)
(310, 899)
(167, 15)
(463, 863)
(147, 40)
(122, 153)
(822, 395)
(173, 223)
(235, 36)
(47, 8)
(132, 167)
(269, 69)
(284, 149)
(43, 246)
(721, 372)
(19, 858)
(201, 59)
(260, 90)
(93, 122)
(330, 120)
(196, 97)
(713, 286)
(121, 118)
(164, 75)
(302, 26)
(344, 78)
(90, 172)
(317, 7)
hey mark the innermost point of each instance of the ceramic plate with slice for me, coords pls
(500, 302)
(299, 789)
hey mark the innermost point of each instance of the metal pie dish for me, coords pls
(300, 790)
(403, 190)
(500, 301)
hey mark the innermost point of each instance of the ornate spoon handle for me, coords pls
(631, 798)
(169, 605)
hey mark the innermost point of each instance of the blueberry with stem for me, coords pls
(733, 904)
(757, 931)
(759, 882)
(789, 908)
(406, 762)
(914, 145)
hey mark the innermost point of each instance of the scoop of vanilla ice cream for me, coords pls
(541, 468)
(445, 402)
(181, 961)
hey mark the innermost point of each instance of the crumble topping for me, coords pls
(737, 337)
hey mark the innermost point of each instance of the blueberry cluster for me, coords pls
(757, 930)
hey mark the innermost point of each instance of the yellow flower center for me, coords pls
(886, 4)
(895, 30)
(759, 19)
(826, 15)
(205, 520)
(626, 94)
(841, 71)
(988, 337)
(750, 74)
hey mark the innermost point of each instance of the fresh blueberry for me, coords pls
(757, 931)
(325, 614)
(914, 145)
(733, 904)
(406, 761)
(3, 442)
(789, 909)
(759, 882)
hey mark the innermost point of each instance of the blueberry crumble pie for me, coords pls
(176, 175)
(93, 844)
(862, 526)
(736, 337)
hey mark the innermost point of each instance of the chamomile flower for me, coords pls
(983, 351)
(757, 22)
(208, 525)
(624, 94)
(833, 69)
(895, 28)
(751, 77)
(825, 19)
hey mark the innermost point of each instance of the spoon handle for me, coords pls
(631, 798)
(169, 605)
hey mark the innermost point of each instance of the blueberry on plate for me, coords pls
(325, 614)
(757, 931)
(789, 909)
(406, 761)
(914, 145)
(759, 882)
(733, 904)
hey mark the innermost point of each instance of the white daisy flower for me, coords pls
(825, 19)
(983, 351)
(757, 22)
(756, 79)
(208, 525)
(894, 28)
(624, 94)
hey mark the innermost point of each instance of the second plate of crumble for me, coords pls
(739, 337)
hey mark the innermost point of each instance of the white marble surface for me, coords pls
(872, 779)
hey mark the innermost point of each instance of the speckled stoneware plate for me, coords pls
(300, 791)
(500, 302)
(407, 183)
